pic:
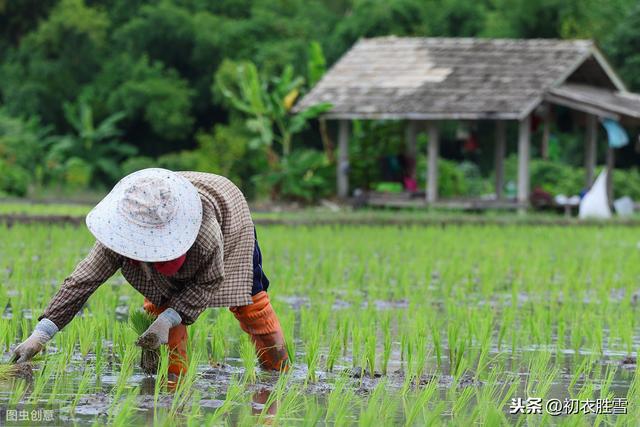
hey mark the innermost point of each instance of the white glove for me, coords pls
(43, 332)
(158, 332)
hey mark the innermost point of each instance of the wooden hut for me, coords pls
(424, 81)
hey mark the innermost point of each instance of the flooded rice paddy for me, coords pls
(385, 326)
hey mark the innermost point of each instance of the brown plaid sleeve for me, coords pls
(229, 212)
(89, 274)
(195, 297)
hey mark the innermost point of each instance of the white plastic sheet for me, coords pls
(624, 206)
(595, 204)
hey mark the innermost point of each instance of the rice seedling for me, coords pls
(99, 359)
(140, 322)
(161, 380)
(83, 386)
(335, 349)
(312, 356)
(126, 369)
(288, 322)
(416, 402)
(339, 402)
(461, 400)
(195, 416)
(457, 347)
(184, 390)
(41, 381)
(582, 371)
(370, 350)
(122, 416)
(312, 413)
(541, 374)
(217, 344)
(417, 357)
(86, 339)
(357, 353)
(19, 391)
(379, 408)
(493, 397)
(16, 371)
(235, 389)
(249, 361)
(57, 385)
(386, 349)
(284, 401)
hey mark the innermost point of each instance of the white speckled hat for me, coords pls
(151, 215)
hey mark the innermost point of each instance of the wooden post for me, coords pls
(590, 149)
(546, 130)
(501, 145)
(411, 149)
(432, 159)
(524, 150)
(342, 165)
(611, 163)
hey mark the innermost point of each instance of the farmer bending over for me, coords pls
(186, 242)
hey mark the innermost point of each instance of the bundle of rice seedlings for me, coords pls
(140, 322)
(14, 371)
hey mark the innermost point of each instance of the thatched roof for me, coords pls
(454, 78)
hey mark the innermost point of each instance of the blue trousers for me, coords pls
(260, 280)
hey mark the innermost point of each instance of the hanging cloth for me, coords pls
(617, 135)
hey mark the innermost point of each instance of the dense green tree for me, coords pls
(159, 96)
(553, 18)
(456, 18)
(53, 63)
(18, 18)
(154, 62)
(623, 46)
(370, 18)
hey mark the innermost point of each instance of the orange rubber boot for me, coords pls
(260, 321)
(177, 342)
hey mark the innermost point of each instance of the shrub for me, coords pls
(557, 178)
(626, 183)
(77, 174)
(14, 179)
(553, 177)
(223, 150)
(476, 184)
(451, 178)
(304, 175)
(21, 152)
(133, 164)
(180, 161)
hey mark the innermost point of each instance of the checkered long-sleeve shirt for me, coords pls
(217, 271)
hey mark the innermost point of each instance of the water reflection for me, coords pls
(147, 385)
(260, 399)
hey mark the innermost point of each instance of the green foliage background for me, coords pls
(133, 81)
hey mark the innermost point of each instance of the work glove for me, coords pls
(158, 332)
(43, 332)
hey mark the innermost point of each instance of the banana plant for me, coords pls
(95, 146)
(266, 105)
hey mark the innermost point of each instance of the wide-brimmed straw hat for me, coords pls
(151, 215)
